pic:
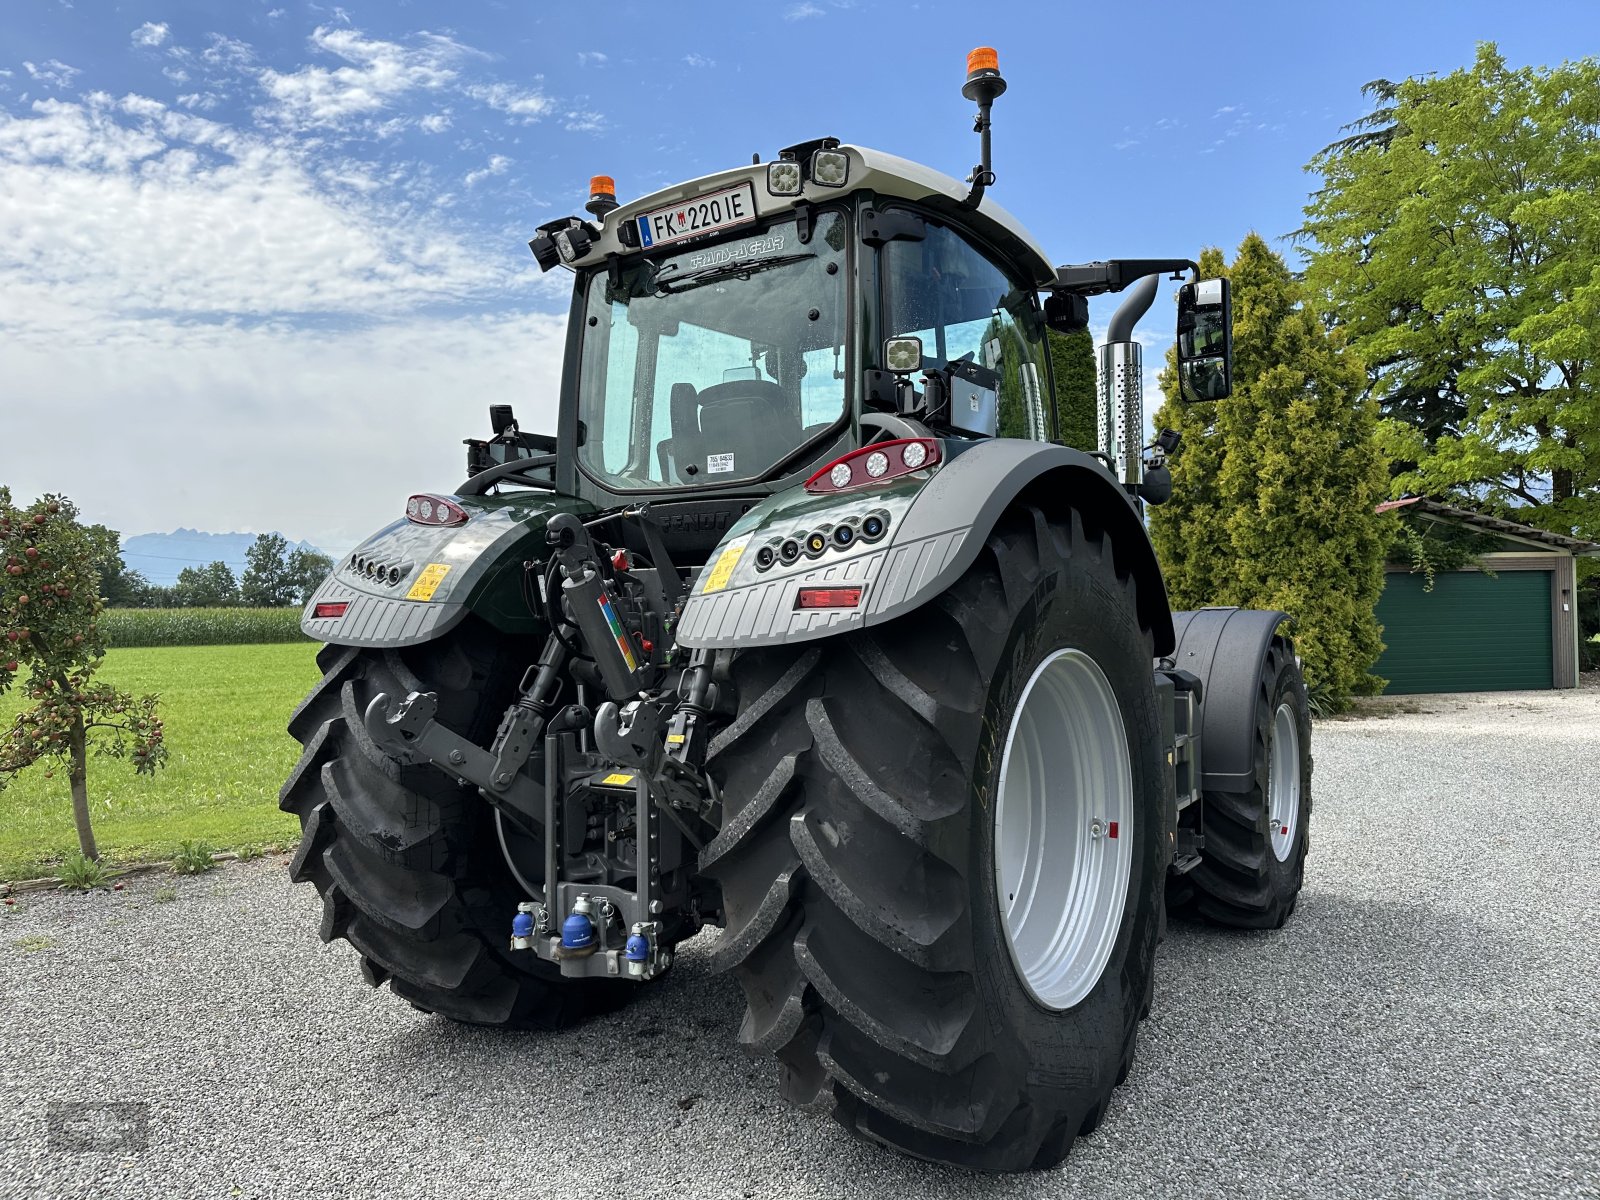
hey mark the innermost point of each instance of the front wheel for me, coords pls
(942, 856)
(1256, 841)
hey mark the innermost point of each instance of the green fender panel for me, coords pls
(410, 583)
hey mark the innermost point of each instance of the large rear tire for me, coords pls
(880, 962)
(1253, 861)
(408, 863)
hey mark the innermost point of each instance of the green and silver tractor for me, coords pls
(802, 625)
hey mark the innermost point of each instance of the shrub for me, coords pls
(80, 871)
(126, 628)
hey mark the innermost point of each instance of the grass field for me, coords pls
(225, 709)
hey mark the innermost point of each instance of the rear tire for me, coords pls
(407, 862)
(857, 860)
(1251, 866)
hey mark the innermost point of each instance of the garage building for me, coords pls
(1514, 629)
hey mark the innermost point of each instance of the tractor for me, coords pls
(803, 624)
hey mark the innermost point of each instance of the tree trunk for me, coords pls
(78, 745)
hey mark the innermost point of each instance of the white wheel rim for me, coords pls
(1283, 782)
(1063, 829)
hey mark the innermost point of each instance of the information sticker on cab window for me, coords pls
(722, 570)
(428, 582)
(719, 464)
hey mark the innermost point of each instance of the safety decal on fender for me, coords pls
(616, 779)
(428, 582)
(717, 578)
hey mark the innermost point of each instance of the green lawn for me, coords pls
(225, 708)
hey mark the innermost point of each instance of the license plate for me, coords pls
(695, 218)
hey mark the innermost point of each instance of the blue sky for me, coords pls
(263, 264)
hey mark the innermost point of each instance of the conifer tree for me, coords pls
(1274, 488)
(1072, 362)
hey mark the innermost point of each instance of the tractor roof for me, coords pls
(885, 174)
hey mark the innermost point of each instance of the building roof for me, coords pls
(1467, 516)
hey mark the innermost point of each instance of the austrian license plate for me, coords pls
(695, 218)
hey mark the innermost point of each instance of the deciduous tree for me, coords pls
(50, 641)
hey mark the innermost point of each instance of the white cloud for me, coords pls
(134, 207)
(227, 52)
(321, 434)
(592, 58)
(525, 105)
(803, 11)
(52, 73)
(150, 34)
(434, 122)
(496, 165)
(699, 60)
(583, 121)
(378, 74)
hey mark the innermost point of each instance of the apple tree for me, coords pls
(51, 646)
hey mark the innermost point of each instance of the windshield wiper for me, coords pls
(738, 269)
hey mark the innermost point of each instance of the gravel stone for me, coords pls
(1426, 1025)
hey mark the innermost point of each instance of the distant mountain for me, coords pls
(160, 556)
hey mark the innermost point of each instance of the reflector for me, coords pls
(822, 597)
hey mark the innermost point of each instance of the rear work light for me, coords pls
(827, 597)
(434, 510)
(876, 463)
(333, 609)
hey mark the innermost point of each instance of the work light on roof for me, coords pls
(830, 168)
(783, 178)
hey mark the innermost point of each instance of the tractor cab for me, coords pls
(731, 335)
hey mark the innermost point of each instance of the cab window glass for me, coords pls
(945, 291)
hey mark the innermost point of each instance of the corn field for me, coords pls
(125, 628)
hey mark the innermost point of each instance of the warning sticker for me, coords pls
(616, 779)
(719, 464)
(428, 582)
(717, 578)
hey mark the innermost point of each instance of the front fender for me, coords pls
(937, 523)
(410, 583)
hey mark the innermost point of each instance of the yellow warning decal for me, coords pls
(718, 577)
(616, 779)
(428, 582)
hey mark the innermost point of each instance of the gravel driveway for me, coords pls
(1427, 1024)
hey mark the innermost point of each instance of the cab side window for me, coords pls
(945, 291)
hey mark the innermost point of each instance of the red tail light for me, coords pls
(428, 509)
(822, 597)
(875, 464)
(334, 609)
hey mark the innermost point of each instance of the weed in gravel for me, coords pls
(80, 872)
(165, 894)
(249, 852)
(33, 942)
(192, 858)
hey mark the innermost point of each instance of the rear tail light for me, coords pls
(875, 464)
(334, 609)
(824, 597)
(434, 510)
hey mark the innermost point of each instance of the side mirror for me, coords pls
(1205, 341)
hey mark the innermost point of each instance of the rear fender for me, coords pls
(1225, 648)
(937, 524)
(410, 583)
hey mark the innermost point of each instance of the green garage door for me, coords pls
(1472, 633)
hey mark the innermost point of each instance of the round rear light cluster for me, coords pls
(817, 542)
(877, 463)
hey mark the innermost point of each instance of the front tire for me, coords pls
(1253, 861)
(408, 863)
(858, 858)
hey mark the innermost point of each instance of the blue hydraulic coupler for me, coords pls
(522, 927)
(577, 932)
(638, 949)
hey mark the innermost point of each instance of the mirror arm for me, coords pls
(1093, 279)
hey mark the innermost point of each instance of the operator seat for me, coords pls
(750, 419)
